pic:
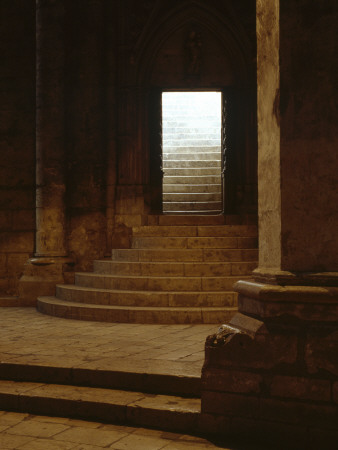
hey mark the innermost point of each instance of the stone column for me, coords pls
(273, 370)
(50, 262)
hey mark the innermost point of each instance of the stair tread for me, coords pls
(100, 395)
(55, 300)
(128, 291)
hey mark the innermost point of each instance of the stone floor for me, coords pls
(28, 337)
(29, 432)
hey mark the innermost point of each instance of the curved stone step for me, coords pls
(173, 269)
(149, 283)
(128, 314)
(188, 179)
(179, 255)
(220, 242)
(80, 294)
(107, 405)
(196, 230)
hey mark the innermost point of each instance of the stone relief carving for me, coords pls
(193, 49)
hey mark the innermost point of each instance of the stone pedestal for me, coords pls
(272, 371)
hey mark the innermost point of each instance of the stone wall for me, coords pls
(110, 59)
(17, 140)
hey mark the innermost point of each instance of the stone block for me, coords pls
(214, 423)
(299, 413)
(6, 220)
(24, 220)
(301, 388)
(321, 352)
(16, 262)
(21, 241)
(231, 381)
(254, 348)
(335, 392)
(3, 264)
(223, 403)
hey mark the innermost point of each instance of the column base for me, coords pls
(40, 276)
(273, 370)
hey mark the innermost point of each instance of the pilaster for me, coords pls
(50, 260)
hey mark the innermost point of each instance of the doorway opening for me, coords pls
(192, 152)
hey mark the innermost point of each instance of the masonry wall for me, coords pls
(116, 54)
(17, 139)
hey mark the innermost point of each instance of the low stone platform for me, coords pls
(141, 375)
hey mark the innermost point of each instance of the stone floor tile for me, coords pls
(47, 444)
(90, 436)
(11, 418)
(13, 441)
(36, 429)
(88, 447)
(139, 442)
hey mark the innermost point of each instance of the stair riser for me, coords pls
(191, 171)
(194, 243)
(174, 255)
(147, 299)
(107, 379)
(241, 231)
(191, 188)
(173, 269)
(207, 179)
(195, 149)
(132, 415)
(175, 156)
(195, 198)
(156, 284)
(192, 206)
(193, 164)
(173, 316)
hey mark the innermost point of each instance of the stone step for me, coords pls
(185, 255)
(187, 134)
(196, 230)
(182, 155)
(152, 283)
(200, 219)
(191, 164)
(95, 296)
(198, 242)
(193, 150)
(106, 405)
(201, 179)
(119, 373)
(190, 142)
(170, 129)
(192, 188)
(189, 197)
(192, 206)
(192, 171)
(132, 314)
(188, 269)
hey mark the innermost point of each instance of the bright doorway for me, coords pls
(191, 152)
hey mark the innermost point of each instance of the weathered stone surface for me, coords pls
(250, 348)
(301, 388)
(321, 352)
(230, 381)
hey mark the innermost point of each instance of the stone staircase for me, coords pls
(177, 272)
(192, 153)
